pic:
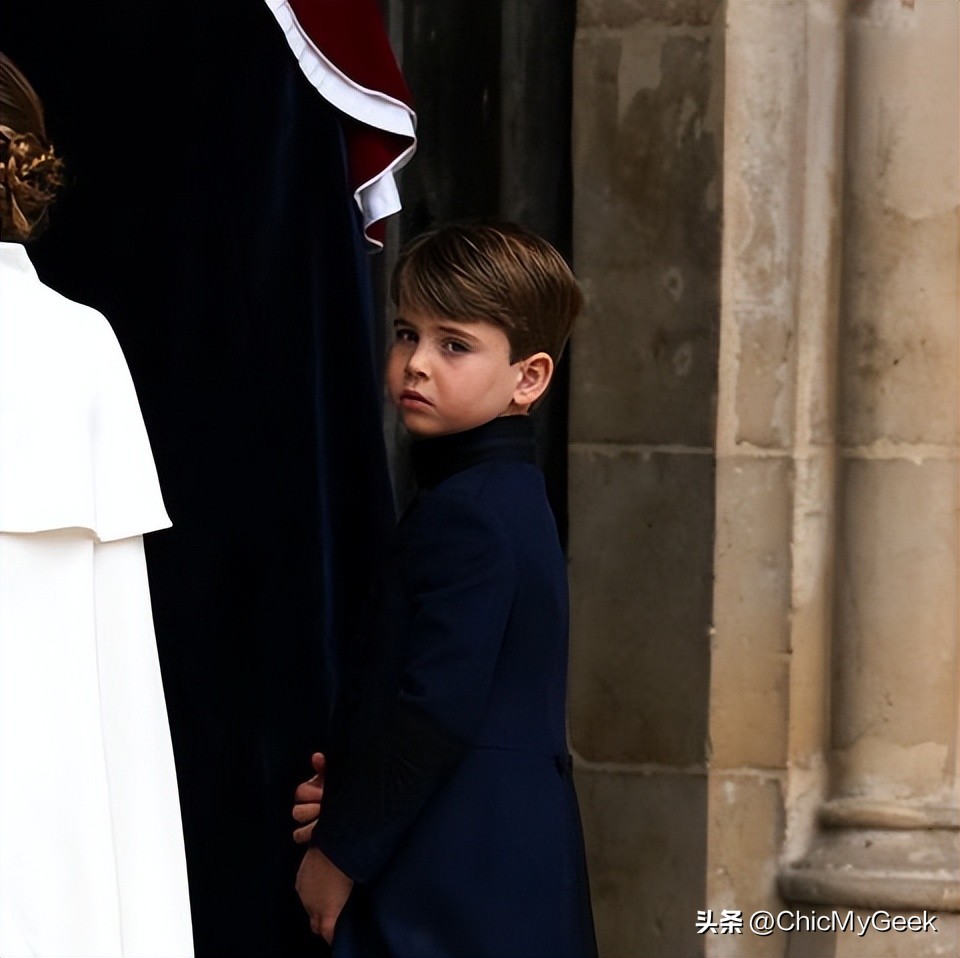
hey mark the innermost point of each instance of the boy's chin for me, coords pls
(420, 425)
(418, 429)
(423, 431)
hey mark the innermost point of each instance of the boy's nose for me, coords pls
(416, 363)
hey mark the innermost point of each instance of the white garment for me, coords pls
(91, 843)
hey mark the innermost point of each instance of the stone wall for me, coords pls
(764, 468)
(647, 183)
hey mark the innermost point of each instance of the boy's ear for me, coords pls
(536, 371)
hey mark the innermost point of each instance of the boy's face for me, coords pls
(446, 376)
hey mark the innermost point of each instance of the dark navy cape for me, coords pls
(449, 794)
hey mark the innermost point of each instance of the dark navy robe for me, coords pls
(449, 794)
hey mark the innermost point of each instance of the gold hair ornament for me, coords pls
(30, 176)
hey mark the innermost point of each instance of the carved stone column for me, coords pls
(776, 448)
(888, 835)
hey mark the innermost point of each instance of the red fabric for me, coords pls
(352, 36)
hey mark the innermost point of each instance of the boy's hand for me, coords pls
(307, 800)
(323, 890)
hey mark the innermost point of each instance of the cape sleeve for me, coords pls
(462, 579)
(127, 493)
(74, 451)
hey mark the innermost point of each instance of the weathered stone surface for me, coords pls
(749, 672)
(646, 154)
(646, 368)
(892, 840)
(646, 845)
(646, 166)
(895, 664)
(647, 196)
(944, 942)
(765, 378)
(763, 196)
(901, 335)
(812, 558)
(746, 831)
(878, 867)
(876, 943)
(623, 13)
(640, 571)
(902, 75)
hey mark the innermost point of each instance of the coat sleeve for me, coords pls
(461, 577)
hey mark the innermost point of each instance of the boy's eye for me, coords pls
(402, 334)
(456, 346)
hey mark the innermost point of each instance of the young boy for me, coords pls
(449, 826)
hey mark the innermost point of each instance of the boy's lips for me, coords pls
(412, 397)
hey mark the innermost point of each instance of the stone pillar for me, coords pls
(776, 456)
(889, 830)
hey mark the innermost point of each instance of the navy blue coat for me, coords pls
(449, 796)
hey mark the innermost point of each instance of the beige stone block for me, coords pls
(809, 687)
(765, 376)
(749, 684)
(646, 853)
(646, 236)
(646, 151)
(903, 74)
(821, 231)
(900, 333)
(640, 552)
(813, 542)
(746, 824)
(748, 715)
(817, 386)
(764, 123)
(899, 346)
(895, 660)
(645, 363)
(622, 13)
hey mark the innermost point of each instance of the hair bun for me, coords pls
(30, 175)
(30, 171)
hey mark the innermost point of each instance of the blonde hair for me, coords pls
(30, 172)
(496, 272)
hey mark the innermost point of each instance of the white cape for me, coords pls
(91, 843)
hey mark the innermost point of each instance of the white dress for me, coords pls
(91, 843)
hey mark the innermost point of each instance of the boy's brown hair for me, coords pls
(494, 272)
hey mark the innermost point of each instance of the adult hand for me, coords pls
(323, 891)
(307, 799)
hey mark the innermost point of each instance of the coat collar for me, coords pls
(14, 256)
(505, 439)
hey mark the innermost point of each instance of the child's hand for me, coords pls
(323, 891)
(307, 800)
